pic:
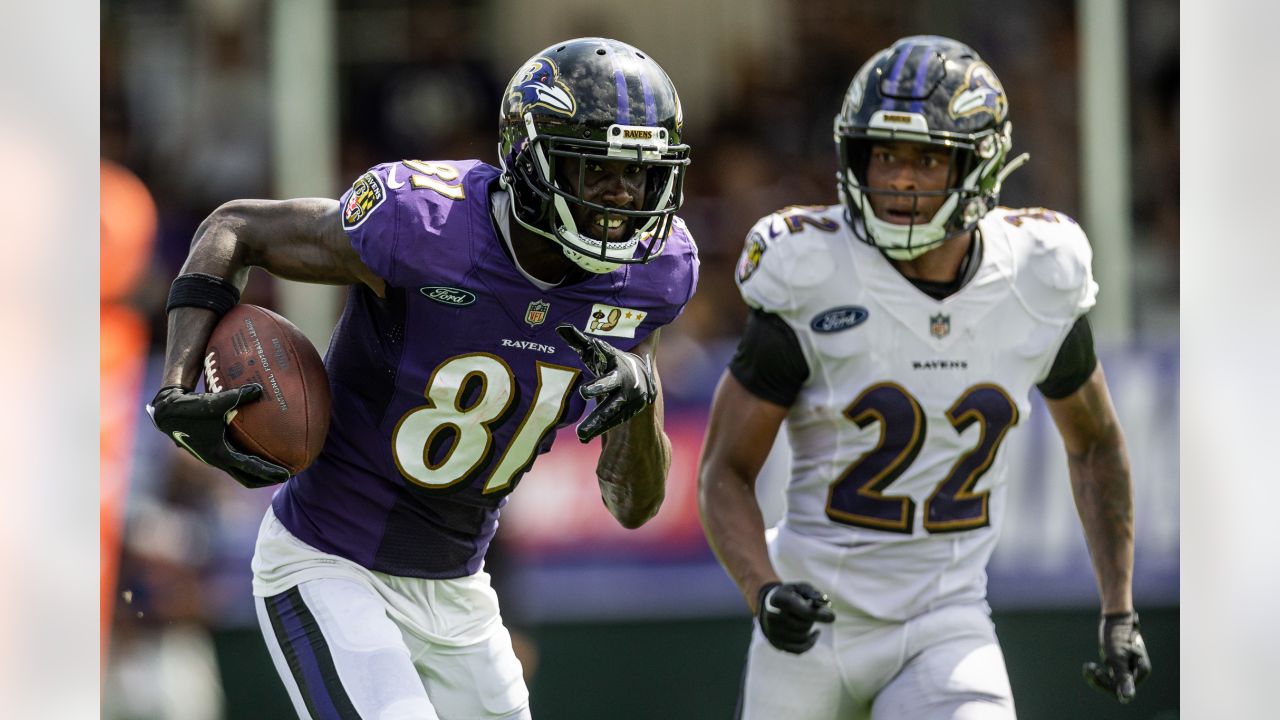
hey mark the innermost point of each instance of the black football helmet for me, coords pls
(933, 90)
(592, 98)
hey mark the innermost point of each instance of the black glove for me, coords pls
(1124, 657)
(197, 422)
(623, 385)
(787, 613)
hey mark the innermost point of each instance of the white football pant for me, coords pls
(352, 644)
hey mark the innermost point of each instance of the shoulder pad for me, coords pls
(394, 208)
(1053, 260)
(676, 269)
(785, 252)
(680, 241)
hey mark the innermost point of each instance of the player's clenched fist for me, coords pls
(1124, 657)
(787, 613)
(623, 385)
(197, 422)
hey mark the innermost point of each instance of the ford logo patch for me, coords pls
(449, 296)
(839, 318)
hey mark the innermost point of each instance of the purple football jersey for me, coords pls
(446, 390)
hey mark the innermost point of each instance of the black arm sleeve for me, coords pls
(768, 361)
(1073, 365)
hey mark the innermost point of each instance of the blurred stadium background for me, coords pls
(204, 101)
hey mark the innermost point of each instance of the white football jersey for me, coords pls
(898, 477)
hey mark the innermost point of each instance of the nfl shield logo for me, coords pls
(537, 313)
(939, 325)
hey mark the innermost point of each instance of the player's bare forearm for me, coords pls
(740, 434)
(1100, 482)
(215, 250)
(735, 529)
(633, 466)
(189, 329)
(1104, 499)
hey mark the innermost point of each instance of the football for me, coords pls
(288, 424)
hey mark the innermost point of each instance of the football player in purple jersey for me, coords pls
(478, 297)
(899, 334)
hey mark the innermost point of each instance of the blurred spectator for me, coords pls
(162, 658)
(432, 99)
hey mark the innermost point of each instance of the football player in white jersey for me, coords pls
(899, 334)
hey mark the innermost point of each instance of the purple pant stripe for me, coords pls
(303, 661)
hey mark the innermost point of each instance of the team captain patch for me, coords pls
(365, 197)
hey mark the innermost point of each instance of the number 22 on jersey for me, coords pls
(857, 496)
(468, 398)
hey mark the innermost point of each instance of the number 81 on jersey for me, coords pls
(468, 398)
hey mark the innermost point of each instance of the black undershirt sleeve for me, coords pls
(768, 361)
(770, 364)
(1073, 365)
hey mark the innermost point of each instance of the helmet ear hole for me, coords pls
(987, 147)
(528, 206)
(972, 212)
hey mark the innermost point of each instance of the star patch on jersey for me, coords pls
(366, 195)
(940, 325)
(537, 312)
(613, 321)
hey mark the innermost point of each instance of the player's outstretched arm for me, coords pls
(635, 453)
(1098, 462)
(295, 239)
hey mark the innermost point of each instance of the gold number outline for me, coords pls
(553, 390)
(880, 481)
(432, 170)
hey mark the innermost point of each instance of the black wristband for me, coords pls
(203, 291)
(1122, 616)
